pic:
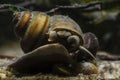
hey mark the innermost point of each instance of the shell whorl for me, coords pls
(30, 27)
(61, 23)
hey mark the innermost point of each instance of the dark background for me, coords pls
(105, 24)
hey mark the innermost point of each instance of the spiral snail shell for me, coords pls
(30, 28)
(36, 29)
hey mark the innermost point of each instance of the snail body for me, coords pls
(46, 58)
(52, 43)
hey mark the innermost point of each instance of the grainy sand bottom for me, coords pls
(107, 70)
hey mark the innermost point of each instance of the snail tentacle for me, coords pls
(88, 52)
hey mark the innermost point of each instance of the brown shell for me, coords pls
(60, 23)
(33, 28)
(86, 68)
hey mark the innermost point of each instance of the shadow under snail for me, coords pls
(53, 44)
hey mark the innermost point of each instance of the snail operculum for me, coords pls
(91, 42)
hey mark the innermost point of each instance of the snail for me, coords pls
(53, 44)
